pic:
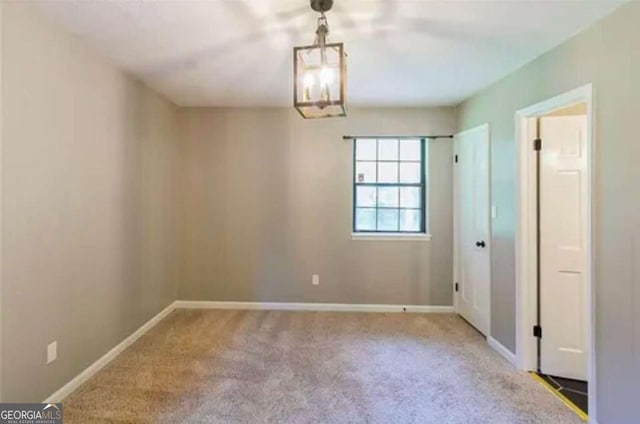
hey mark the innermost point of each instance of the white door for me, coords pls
(472, 227)
(563, 252)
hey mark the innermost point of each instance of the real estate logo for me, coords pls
(30, 413)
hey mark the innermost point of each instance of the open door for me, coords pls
(472, 227)
(563, 246)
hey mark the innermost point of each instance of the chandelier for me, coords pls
(320, 72)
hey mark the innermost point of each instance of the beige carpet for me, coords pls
(312, 367)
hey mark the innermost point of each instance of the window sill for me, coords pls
(390, 237)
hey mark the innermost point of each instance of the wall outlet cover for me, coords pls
(52, 352)
(315, 279)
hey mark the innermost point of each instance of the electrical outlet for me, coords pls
(52, 351)
(494, 212)
(315, 279)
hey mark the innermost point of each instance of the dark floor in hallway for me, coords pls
(574, 390)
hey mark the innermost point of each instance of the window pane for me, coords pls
(365, 219)
(387, 219)
(388, 197)
(410, 150)
(387, 172)
(410, 197)
(366, 149)
(365, 172)
(365, 196)
(387, 149)
(409, 220)
(409, 172)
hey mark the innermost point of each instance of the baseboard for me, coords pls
(328, 307)
(503, 351)
(92, 369)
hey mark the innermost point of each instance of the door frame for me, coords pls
(481, 127)
(526, 269)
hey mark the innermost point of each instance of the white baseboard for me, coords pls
(92, 369)
(328, 307)
(503, 351)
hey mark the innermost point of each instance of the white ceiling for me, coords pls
(401, 52)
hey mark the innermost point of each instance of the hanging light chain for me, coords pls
(322, 32)
(321, 40)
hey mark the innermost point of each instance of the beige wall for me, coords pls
(266, 200)
(606, 55)
(87, 171)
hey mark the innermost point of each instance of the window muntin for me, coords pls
(389, 185)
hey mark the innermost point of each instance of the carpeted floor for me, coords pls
(206, 366)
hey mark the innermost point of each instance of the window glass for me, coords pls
(366, 150)
(410, 150)
(388, 150)
(388, 220)
(365, 219)
(388, 197)
(410, 197)
(366, 172)
(387, 172)
(410, 172)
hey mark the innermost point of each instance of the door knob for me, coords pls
(480, 243)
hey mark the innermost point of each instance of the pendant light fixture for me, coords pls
(320, 72)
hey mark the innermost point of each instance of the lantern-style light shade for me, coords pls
(320, 86)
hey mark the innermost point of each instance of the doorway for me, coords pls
(554, 250)
(472, 227)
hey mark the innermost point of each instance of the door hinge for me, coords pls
(456, 286)
(537, 144)
(456, 159)
(537, 331)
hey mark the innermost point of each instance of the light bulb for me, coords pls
(326, 76)
(308, 80)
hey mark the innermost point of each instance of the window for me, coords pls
(389, 185)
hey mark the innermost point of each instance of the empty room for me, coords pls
(319, 211)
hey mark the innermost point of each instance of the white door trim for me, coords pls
(487, 128)
(526, 301)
